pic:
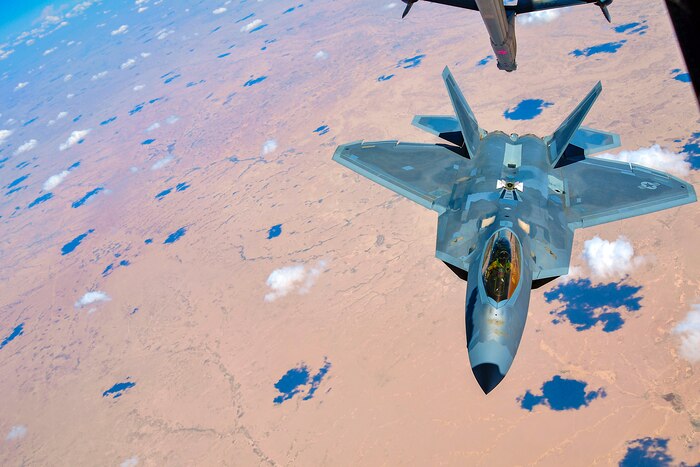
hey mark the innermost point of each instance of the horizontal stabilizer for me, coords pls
(587, 141)
(470, 128)
(444, 126)
(592, 141)
(560, 139)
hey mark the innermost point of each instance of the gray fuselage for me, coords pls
(507, 188)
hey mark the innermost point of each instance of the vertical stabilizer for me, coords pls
(470, 128)
(559, 140)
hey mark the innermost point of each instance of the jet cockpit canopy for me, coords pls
(501, 267)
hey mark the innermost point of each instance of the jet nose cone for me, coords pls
(488, 376)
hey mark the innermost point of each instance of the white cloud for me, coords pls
(54, 180)
(610, 259)
(123, 29)
(4, 134)
(139, 87)
(128, 64)
(269, 146)
(538, 17)
(130, 462)
(689, 331)
(252, 25)
(163, 33)
(92, 297)
(21, 85)
(70, 96)
(155, 126)
(172, 119)
(142, 9)
(61, 115)
(16, 432)
(159, 164)
(288, 279)
(6, 53)
(74, 138)
(219, 10)
(573, 274)
(79, 9)
(50, 51)
(140, 2)
(389, 6)
(654, 157)
(321, 55)
(99, 75)
(27, 146)
(67, 78)
(145, 54)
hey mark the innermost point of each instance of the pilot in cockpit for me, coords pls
(498, 270)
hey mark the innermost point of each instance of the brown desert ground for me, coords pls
(188, 323)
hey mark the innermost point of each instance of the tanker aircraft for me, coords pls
(499, 18)
(507, 208)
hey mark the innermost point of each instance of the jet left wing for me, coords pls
(599, 191)
(423, 173)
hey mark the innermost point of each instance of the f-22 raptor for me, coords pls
(507, 208)
(499, 19)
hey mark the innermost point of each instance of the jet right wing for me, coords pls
(423, 173)
(599, 191)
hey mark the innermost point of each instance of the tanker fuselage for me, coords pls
(500, 25)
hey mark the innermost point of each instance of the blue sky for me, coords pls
(20, 15)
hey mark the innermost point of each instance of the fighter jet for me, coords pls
(499, 18)
(507, 208)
